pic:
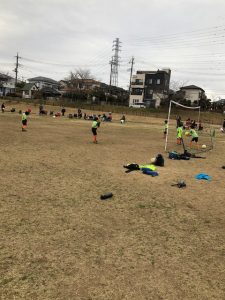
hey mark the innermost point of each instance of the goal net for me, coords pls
(187, 116)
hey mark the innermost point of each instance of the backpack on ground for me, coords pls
(159, 160)
(174, 155)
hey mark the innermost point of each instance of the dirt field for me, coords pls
(58, 240)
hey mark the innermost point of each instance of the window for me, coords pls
(150, 81)
(135, 101)
(158, 81)
(136, 91)
(137, 82)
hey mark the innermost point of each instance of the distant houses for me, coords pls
(46, 87)
(147, 89)
(92, 90)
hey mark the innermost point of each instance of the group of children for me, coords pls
(180, 128)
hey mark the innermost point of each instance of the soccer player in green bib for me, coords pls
(95, 125)
(194, 136)
(165, 128)
(179, 134)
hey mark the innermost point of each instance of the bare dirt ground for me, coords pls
(58, 240)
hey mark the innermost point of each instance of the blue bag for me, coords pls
(149, 172)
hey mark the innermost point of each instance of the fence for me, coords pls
(206, 117)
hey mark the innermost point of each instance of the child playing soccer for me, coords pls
(95, 125)
(3, 107)
(179, 134)
(165, 128)
(194, 136)
(24, 119)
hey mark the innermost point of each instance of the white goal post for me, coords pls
(168, 118)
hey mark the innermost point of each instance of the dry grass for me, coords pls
(58, 240)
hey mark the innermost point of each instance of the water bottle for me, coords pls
(106, 196)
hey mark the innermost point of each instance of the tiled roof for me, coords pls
(44, 79)
(28, 86)
(191, 87)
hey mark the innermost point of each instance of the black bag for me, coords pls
(186, 153)
(131, 167)
(159, 161)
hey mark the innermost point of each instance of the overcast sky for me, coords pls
(54, 37)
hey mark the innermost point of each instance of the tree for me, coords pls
(77, 78)
(20, 84)
(175, 85)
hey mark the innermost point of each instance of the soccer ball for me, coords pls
(187, 133)
(153, 160)
(203, 146)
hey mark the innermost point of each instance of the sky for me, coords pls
(54, 37)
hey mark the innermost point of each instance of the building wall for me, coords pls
(29, 94)
(42, 84)
(137, 82)
(7, 87)
(26, 94)
(135, 99)
(192, 94)
(158, 82)
(157, 97)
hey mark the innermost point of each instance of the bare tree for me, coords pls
(175, 85)
(76, 78)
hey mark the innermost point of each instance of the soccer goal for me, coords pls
(171, 131)
(189, 114)
(205, 131)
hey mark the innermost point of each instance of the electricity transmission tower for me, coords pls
(115, 62)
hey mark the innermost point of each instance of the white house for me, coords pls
(42, 82)
(28, 90)
(49, 88)
(7, 85)
(137, 91)
(192, 93)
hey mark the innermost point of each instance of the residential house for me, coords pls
(87, 87)
(115, 91)
(7, 84)
(76, 84)
(28, 90)
(149, 88)
(192, 93)
(220, 102)
(47, 86)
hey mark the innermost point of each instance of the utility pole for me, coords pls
(17, 66)
(131, 72)
(110, 80)
(115, 62)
